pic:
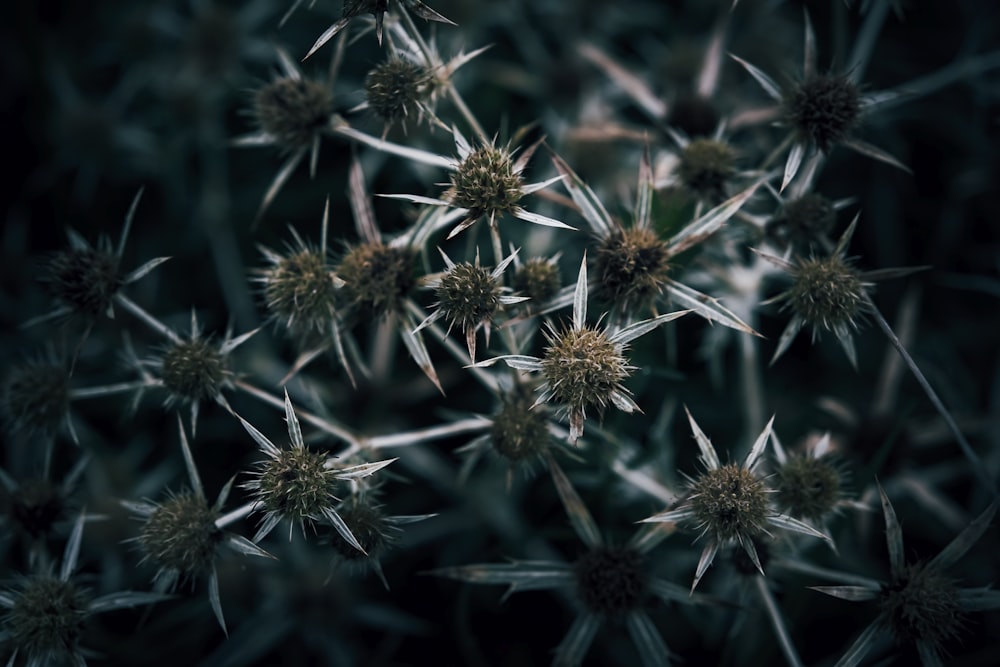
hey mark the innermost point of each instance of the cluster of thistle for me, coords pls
(490, 335)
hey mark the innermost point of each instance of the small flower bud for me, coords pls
(35, 397)
(731, 502)
(519, 433)
(46, 619)
(193, 370)
(370, 526)
(485, 183)
(611, 580)
(181, 534)
(803, 222)
(377, 277)
(293, 111)
(827, 293)
(85, 279)
(706, 166)
(395, 88)
(36, 505)
(468, 295)
(632, 266)
(807, 487)
(922, 605)
(823, 109)
(538, 279)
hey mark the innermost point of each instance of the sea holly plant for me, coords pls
(919, 604)
(730, 505)
(182, 535)
(46, 612)
(470, 297)
(611, 584)
(299, 484)
(584, 366)
(633, 264)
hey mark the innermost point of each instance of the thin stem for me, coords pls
(427, 434)
(751, 383)
(977, 464)
(791, 655)
(150, 321)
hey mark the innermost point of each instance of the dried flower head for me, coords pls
(293, 110)
(584, 367)
(919, 605)
(377, 278)
(396, 89)
(808, 487)
(706, 166)
(469, 297)
(537, 278)
(35, 397)
(804, 222)
(299, 484)
(632, 267)
(611, 581)
(823, 109)
(520, 430)
(730, 504)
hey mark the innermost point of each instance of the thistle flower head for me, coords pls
(299, 484)
(486, 183)
(919, 604)
(300, 287)
(376, 278)
(35, 397)
(706, 165)
(370, 525)
(180, 535)
(396, 89)
(729, 504)
(193, 370)
(84, 279)
(47, 618)
(470, 297)
(293, 110)
(520, 431)
(632, 266)
(584, 367)
(537, 278)
(611, 581)
(803, 222)
(808, 485)
(823, 109)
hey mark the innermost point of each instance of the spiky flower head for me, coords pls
(706, 166)
(181, 535)
(47, 618)
(35, 397)
(396, 88)
(377, 277)
(300, 287)
(193, 370)
(293, 110)
(35, 506)
(823, 109)
(611, 581)
(632, 266)
(486, 183)
(300, 484)
(520, 430)
(84, 279)
(371, 526)
(469, 297)
(537, 278)
(730, 504)
(808, 485)
(803, 222)
(919, 604)
(584, 367)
